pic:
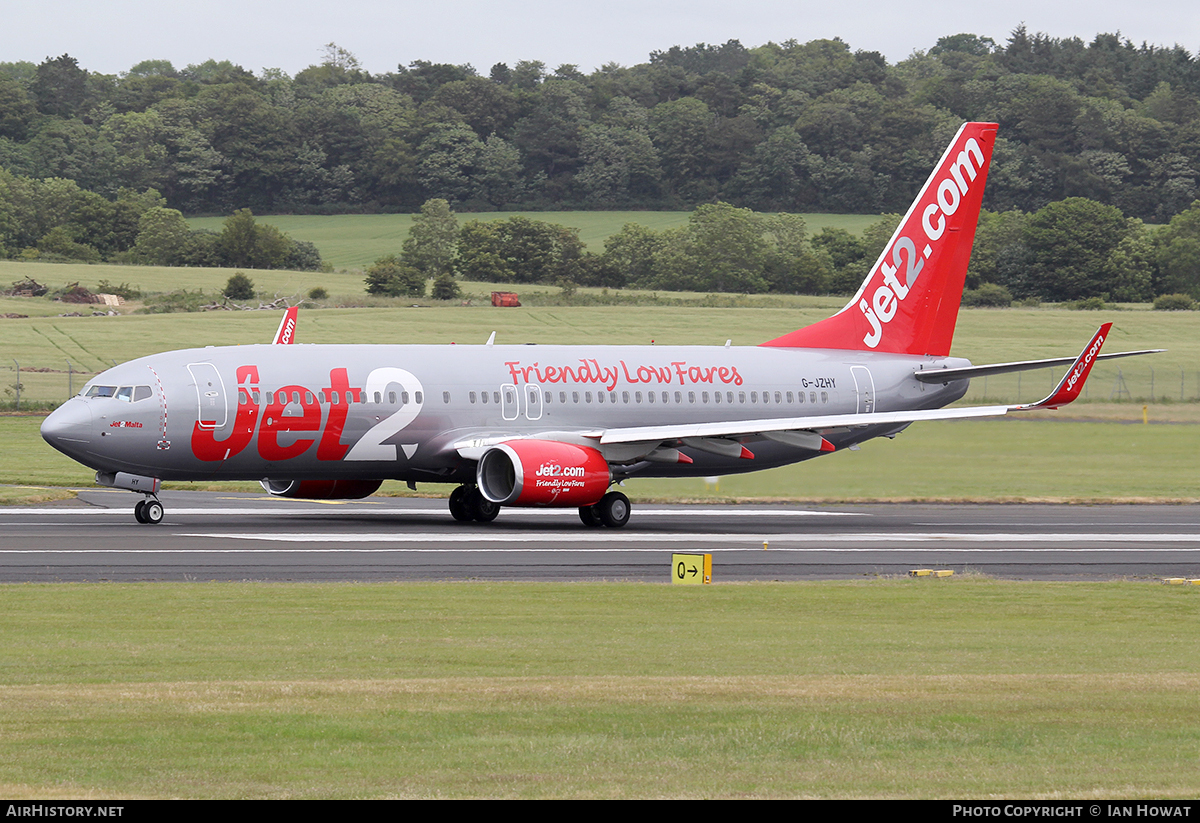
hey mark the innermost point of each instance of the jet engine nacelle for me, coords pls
(542, 473)
(322, 489)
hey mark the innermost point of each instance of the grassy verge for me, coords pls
(888, 688)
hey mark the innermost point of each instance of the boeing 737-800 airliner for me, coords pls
(559, 425)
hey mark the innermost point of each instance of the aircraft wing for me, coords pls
(1066, 391)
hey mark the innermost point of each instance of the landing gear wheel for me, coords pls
(482, 509)
(460, 508)
(614, 510)
(590, 516)
(152, 511)
(139, 511)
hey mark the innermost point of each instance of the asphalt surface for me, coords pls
(226, 536)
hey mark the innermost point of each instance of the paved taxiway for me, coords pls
(224, 536)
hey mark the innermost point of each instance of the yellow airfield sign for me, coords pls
(691, 569)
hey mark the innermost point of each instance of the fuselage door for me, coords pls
(210, 395)
(864, 389)
(533, 402)
(509, 401)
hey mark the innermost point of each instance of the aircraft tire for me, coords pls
(139, 511)
(460, 505)
(590, 516)
(614, 510)
(152, 510)
(482, 509)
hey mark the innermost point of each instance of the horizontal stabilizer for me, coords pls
(970, 372)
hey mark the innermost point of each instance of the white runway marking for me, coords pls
(432, 512)
(757, 539)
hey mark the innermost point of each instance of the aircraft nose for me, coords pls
(70, 425)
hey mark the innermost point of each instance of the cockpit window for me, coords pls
(101, 391)
(125, 393)
(141, 393)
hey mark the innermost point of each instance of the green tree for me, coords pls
(519, 250)
(1070, 244)
(162, 237)
(433, 239)
(722, 248)
(239, 287)
(390, 276)
(1177, 252)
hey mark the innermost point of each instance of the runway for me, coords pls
(224, 536)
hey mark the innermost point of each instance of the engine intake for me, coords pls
(322, 489)
(542, 473)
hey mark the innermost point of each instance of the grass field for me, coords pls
(964, 688)
(357, 240)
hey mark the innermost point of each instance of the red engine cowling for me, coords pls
(542, 473)
(322, 489)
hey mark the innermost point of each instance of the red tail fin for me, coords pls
(909, 302)
(286, 333)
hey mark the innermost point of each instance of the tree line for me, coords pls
(781, 127)
(1070, 250)
(54, 219)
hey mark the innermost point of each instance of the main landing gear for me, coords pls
(466, 503)
(148, 511)
(611, 511)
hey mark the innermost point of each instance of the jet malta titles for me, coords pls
(559, 426)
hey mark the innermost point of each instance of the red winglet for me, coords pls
(826, 446)
(746, 454)
(286, 333)
(1072, 383)
(683, 458)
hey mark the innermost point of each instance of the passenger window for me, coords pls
(378, 397)
(650, 396)
(392, 398)
(418, 397)
(562, 397)
(574, 397)
(717, 396)
(496, 397)
(471, 397)
(599, 397)
(587, 397)
(791, 398)
(625, 396)
(446, 397)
